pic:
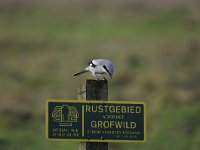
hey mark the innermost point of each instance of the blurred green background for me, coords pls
(155, 46)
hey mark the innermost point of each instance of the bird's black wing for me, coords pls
(107, 71)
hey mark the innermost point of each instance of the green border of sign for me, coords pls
(100, 102)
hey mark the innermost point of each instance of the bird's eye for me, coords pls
(89, 63)
(92, 65)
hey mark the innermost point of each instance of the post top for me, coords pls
(92, 81)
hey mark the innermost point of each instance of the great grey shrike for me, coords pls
(98, 67)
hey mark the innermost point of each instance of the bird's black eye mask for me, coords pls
(91, 64)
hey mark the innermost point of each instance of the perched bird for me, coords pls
(98, 67)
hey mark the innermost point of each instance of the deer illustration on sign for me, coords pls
(65, 115)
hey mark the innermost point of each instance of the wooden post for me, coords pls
(93, 90)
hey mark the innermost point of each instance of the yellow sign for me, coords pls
(96, 121)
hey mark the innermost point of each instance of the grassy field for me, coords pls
(156, 52)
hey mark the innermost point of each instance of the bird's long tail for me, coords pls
(80, 73)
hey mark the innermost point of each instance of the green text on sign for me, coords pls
(96, 121)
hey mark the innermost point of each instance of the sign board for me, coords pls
(95, 121)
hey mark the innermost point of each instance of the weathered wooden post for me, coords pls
(93, 90)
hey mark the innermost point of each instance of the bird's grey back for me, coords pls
(105, 62)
